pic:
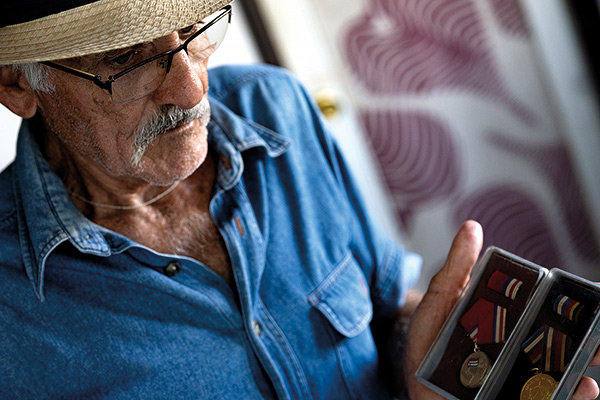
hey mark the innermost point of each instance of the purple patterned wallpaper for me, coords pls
(404, 53)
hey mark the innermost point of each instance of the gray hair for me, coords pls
(37, 75)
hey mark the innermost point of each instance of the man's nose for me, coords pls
(184, 83)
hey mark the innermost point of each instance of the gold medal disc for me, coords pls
(475, 369)
(539, 387)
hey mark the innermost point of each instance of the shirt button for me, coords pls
(172, 269)
(257, 328)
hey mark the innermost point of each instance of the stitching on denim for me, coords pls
(316, 296)
(280, 336)
(353, 329)
(10, 219)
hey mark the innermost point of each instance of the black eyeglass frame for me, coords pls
(107, 84)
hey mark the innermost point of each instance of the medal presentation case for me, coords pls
(519, 331)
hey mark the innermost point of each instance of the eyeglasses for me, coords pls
(135, 73)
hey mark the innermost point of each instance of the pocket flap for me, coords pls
(343, 297)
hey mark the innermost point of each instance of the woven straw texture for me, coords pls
(100, 26)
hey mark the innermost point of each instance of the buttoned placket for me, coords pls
(233, 214)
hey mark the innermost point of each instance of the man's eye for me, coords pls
(122, 59)
(188, 29)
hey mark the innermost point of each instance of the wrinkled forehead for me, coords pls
(42, 30)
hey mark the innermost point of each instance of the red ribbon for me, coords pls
(485, 322)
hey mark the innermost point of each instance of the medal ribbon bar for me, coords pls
(566, 306)
(504, 284)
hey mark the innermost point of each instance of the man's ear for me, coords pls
(16, 94)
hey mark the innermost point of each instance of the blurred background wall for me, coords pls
(482, 109)
(446, 110)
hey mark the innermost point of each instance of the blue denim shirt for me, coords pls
(88, 313)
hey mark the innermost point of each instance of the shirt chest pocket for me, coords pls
(343, 298)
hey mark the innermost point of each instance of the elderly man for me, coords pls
(158, 242)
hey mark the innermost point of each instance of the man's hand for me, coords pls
(443, 292)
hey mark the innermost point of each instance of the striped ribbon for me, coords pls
(504, 284)
(567, 307)
(547, 345)
(485, 322)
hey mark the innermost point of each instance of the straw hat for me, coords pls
(43, 30)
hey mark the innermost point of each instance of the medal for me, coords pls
(484, 323)
(547, 347)
(538, 387)
(475, 369)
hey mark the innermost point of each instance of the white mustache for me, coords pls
(166, 118)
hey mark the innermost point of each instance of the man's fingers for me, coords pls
(587, 389)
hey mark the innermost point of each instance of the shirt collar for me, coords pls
(47, 217)
(231, 135)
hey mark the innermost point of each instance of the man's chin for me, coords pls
(173, 156)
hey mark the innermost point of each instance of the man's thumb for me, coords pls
(454, 275)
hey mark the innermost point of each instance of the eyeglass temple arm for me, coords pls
(107, 84)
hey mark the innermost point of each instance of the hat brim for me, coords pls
(99, 26)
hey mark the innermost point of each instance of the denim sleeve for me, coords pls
(390, 269)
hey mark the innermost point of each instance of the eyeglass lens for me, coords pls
(146, 78)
